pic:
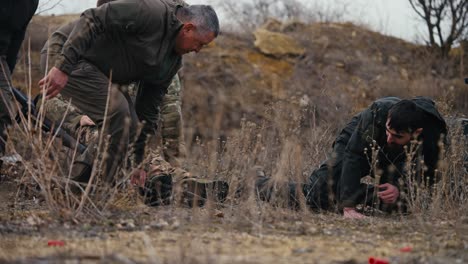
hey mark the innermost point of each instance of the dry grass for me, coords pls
(281, 115)
(245, 111)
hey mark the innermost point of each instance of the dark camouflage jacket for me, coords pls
(367, 130)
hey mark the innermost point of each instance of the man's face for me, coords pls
(395, 139)
(189, 39)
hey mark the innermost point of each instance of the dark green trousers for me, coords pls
(321, 190)
(90, 90)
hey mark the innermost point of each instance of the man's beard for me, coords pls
(393, 149)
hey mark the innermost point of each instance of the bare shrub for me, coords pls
(448, 197)
(446, 22)
(47, 167)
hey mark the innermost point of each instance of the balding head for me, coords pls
(202, 16)
(200, 27)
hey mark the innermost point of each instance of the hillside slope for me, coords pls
(342, 69)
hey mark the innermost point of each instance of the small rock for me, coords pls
(161, 224)
(312, 231)
(175, 224)
(11, 159)
(34, 220)
(340, 65)
(126, 224)
(404, 74)
(302, 250)
(304, 101)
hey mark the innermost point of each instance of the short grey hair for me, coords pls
(203, 16)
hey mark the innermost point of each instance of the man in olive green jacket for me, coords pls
(123, 42)
(171, 112)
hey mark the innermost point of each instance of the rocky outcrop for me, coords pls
(277, 44)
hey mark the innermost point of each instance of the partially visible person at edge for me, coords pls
(14, 19)
(126, 41)
(171, 112)
(387, 126)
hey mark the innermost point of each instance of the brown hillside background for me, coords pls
(342, 70)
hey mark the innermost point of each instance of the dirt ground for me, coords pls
(260, 234)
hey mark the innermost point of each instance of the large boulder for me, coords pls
(277, 44)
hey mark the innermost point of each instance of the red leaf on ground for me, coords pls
(56, 243)
(373, 260)
(406, 249)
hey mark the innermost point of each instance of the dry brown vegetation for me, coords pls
(244, 109)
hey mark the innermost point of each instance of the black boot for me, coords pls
(158, 190)
(197, 191)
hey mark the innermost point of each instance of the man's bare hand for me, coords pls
(54, 82)
(351, 213)
(390, 194)
(138, 178)
(86, 121)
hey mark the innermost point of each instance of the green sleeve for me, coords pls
(116, 18)
(355, 161)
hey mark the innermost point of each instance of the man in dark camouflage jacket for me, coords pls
(370, 153)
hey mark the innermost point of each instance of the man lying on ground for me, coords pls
(160, 176)
(374, 144)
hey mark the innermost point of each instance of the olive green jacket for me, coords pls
(134, 40)
(171, 112)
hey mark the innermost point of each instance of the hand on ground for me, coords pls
(390, 193)
(138, 178)
(54, 82)
(86, 121)
(351, 213)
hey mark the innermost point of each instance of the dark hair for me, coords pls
(101, 2)
(406, 116)
(203, 16)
